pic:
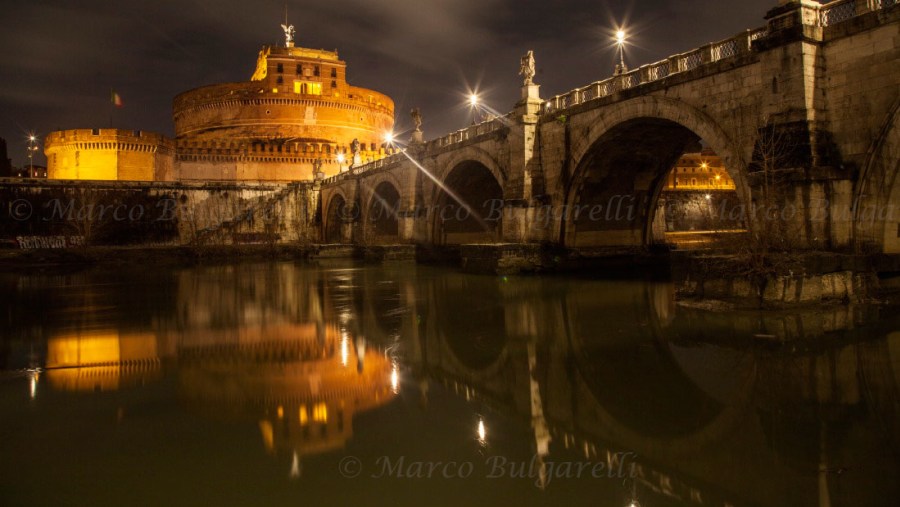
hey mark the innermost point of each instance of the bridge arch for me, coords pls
(477, 347)
(704, 392)
(646, 135)
(333, 220)
(877, 213)
(382, 198)
(467, 206)
(469, 153)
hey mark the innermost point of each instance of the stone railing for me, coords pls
(395, 157)
(485, 127)
(842, 10)
(392, 159)
(828, 15)
(710, 53)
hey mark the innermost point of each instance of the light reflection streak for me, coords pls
(449, 192)
(34, 375)
(345, 348)
(395, 377)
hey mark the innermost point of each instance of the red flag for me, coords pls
(115, 98)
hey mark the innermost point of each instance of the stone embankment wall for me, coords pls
(146, 213)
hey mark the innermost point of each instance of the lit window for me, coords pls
(320, 412)
(307, 88)
(303, 416)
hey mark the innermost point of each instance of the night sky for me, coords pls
(61, 58)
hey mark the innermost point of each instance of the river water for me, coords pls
(343, 384)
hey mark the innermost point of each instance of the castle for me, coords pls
(297, 118)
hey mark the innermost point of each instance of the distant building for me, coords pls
(699, 195)
(699, 171)
(6, 169)
(296, 116)
(30, 171)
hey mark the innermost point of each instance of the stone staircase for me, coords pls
(222, 232)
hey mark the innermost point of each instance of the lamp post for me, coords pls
(340, 160)
(620, 42)
(32, 147)
(473, 102)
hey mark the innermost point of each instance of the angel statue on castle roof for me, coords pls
(288, 34)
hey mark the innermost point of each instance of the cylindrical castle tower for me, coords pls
(296, 113)
(109, 154)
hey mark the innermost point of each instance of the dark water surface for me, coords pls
(292, 384)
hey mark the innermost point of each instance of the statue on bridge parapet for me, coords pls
(416, 116)
(527, 68)
(417, 136)
(354, 150)
(318, 174)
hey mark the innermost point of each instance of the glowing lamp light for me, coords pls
(473, 100)
(32, 138)
(482, 432)
(389, 138)
(620, 37)
(708, 197)
(341, 158)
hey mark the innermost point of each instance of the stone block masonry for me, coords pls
(144, 213)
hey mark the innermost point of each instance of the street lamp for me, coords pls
(620, 42)
(473, 102)
(340, 160)
(32, 147)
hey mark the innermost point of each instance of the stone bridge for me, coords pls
(810, 100)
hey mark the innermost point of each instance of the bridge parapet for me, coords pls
(842, 10)
(391, 160)
(821, 16)
(708, 54)
(486, 127)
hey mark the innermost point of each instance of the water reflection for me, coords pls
(100, 360)
(590, 367)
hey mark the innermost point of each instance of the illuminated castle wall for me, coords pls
(297, 108)
(296, 112)
(109, 154)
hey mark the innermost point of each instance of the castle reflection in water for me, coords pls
(296, 353)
